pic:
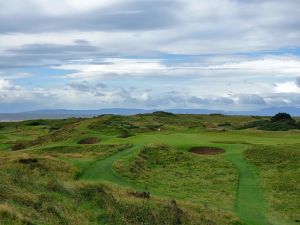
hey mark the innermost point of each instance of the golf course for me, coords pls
(157, 168)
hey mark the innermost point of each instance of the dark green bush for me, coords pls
(37, 123)
(162, 113)
(125, 133)
(279, 122)
(282, 117)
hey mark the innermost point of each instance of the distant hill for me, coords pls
(123, 111)
(119, 111)
(66, 113)
(272, 111)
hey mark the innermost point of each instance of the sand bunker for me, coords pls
(207, 150)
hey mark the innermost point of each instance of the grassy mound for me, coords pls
(83, 152)
(45, 192)
(280, 177)
(162, 169)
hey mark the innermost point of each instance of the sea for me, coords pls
(15, 117)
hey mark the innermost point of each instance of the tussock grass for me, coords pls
(46, 193)
(184, 175)
(280, 177)
(128, 180)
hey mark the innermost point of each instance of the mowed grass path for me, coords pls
(103, 169)
(250, 204)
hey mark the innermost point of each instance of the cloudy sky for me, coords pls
(91, 54)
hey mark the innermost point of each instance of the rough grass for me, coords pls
(45, 192)
(184, 188)
(280, 177)
(183, 175)
(83, 152)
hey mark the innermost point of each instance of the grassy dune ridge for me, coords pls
(53, 179)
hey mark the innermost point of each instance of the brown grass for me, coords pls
(89, 140)
(207, 150)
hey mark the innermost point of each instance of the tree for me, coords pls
(282, 117)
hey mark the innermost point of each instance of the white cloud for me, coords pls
(4, 84)
(238, 47)
(220, 26)
(54, 8)
(287, 87)
(267, 66)
(10, 92)
(278, 65)
(115, 66)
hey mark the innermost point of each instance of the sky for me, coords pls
(150, 54)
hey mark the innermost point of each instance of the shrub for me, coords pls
(226, 124)
(153, 126)
(279, 122)
(162, 113)
(125, 133)
(281, 117)
(37, 123)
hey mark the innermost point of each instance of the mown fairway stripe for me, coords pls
(250, 204)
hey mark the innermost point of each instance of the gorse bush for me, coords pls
(282, 117)
(279, 122)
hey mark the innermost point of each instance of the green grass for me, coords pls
(254, 182)
(178, 174)
(280, 173)
(250, 204)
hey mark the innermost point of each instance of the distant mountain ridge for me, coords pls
(131, 111)
(118, 111)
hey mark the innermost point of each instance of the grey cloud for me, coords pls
(130, 97)
(48, 54)
(224, 101)
(298, 81)
(129, 15)
(234, 28)
(198, 100)
(251, 100)
(100, 85)
(96, 90)
(84, 87)
(49, 49)
(283, 99)
(90, 94)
